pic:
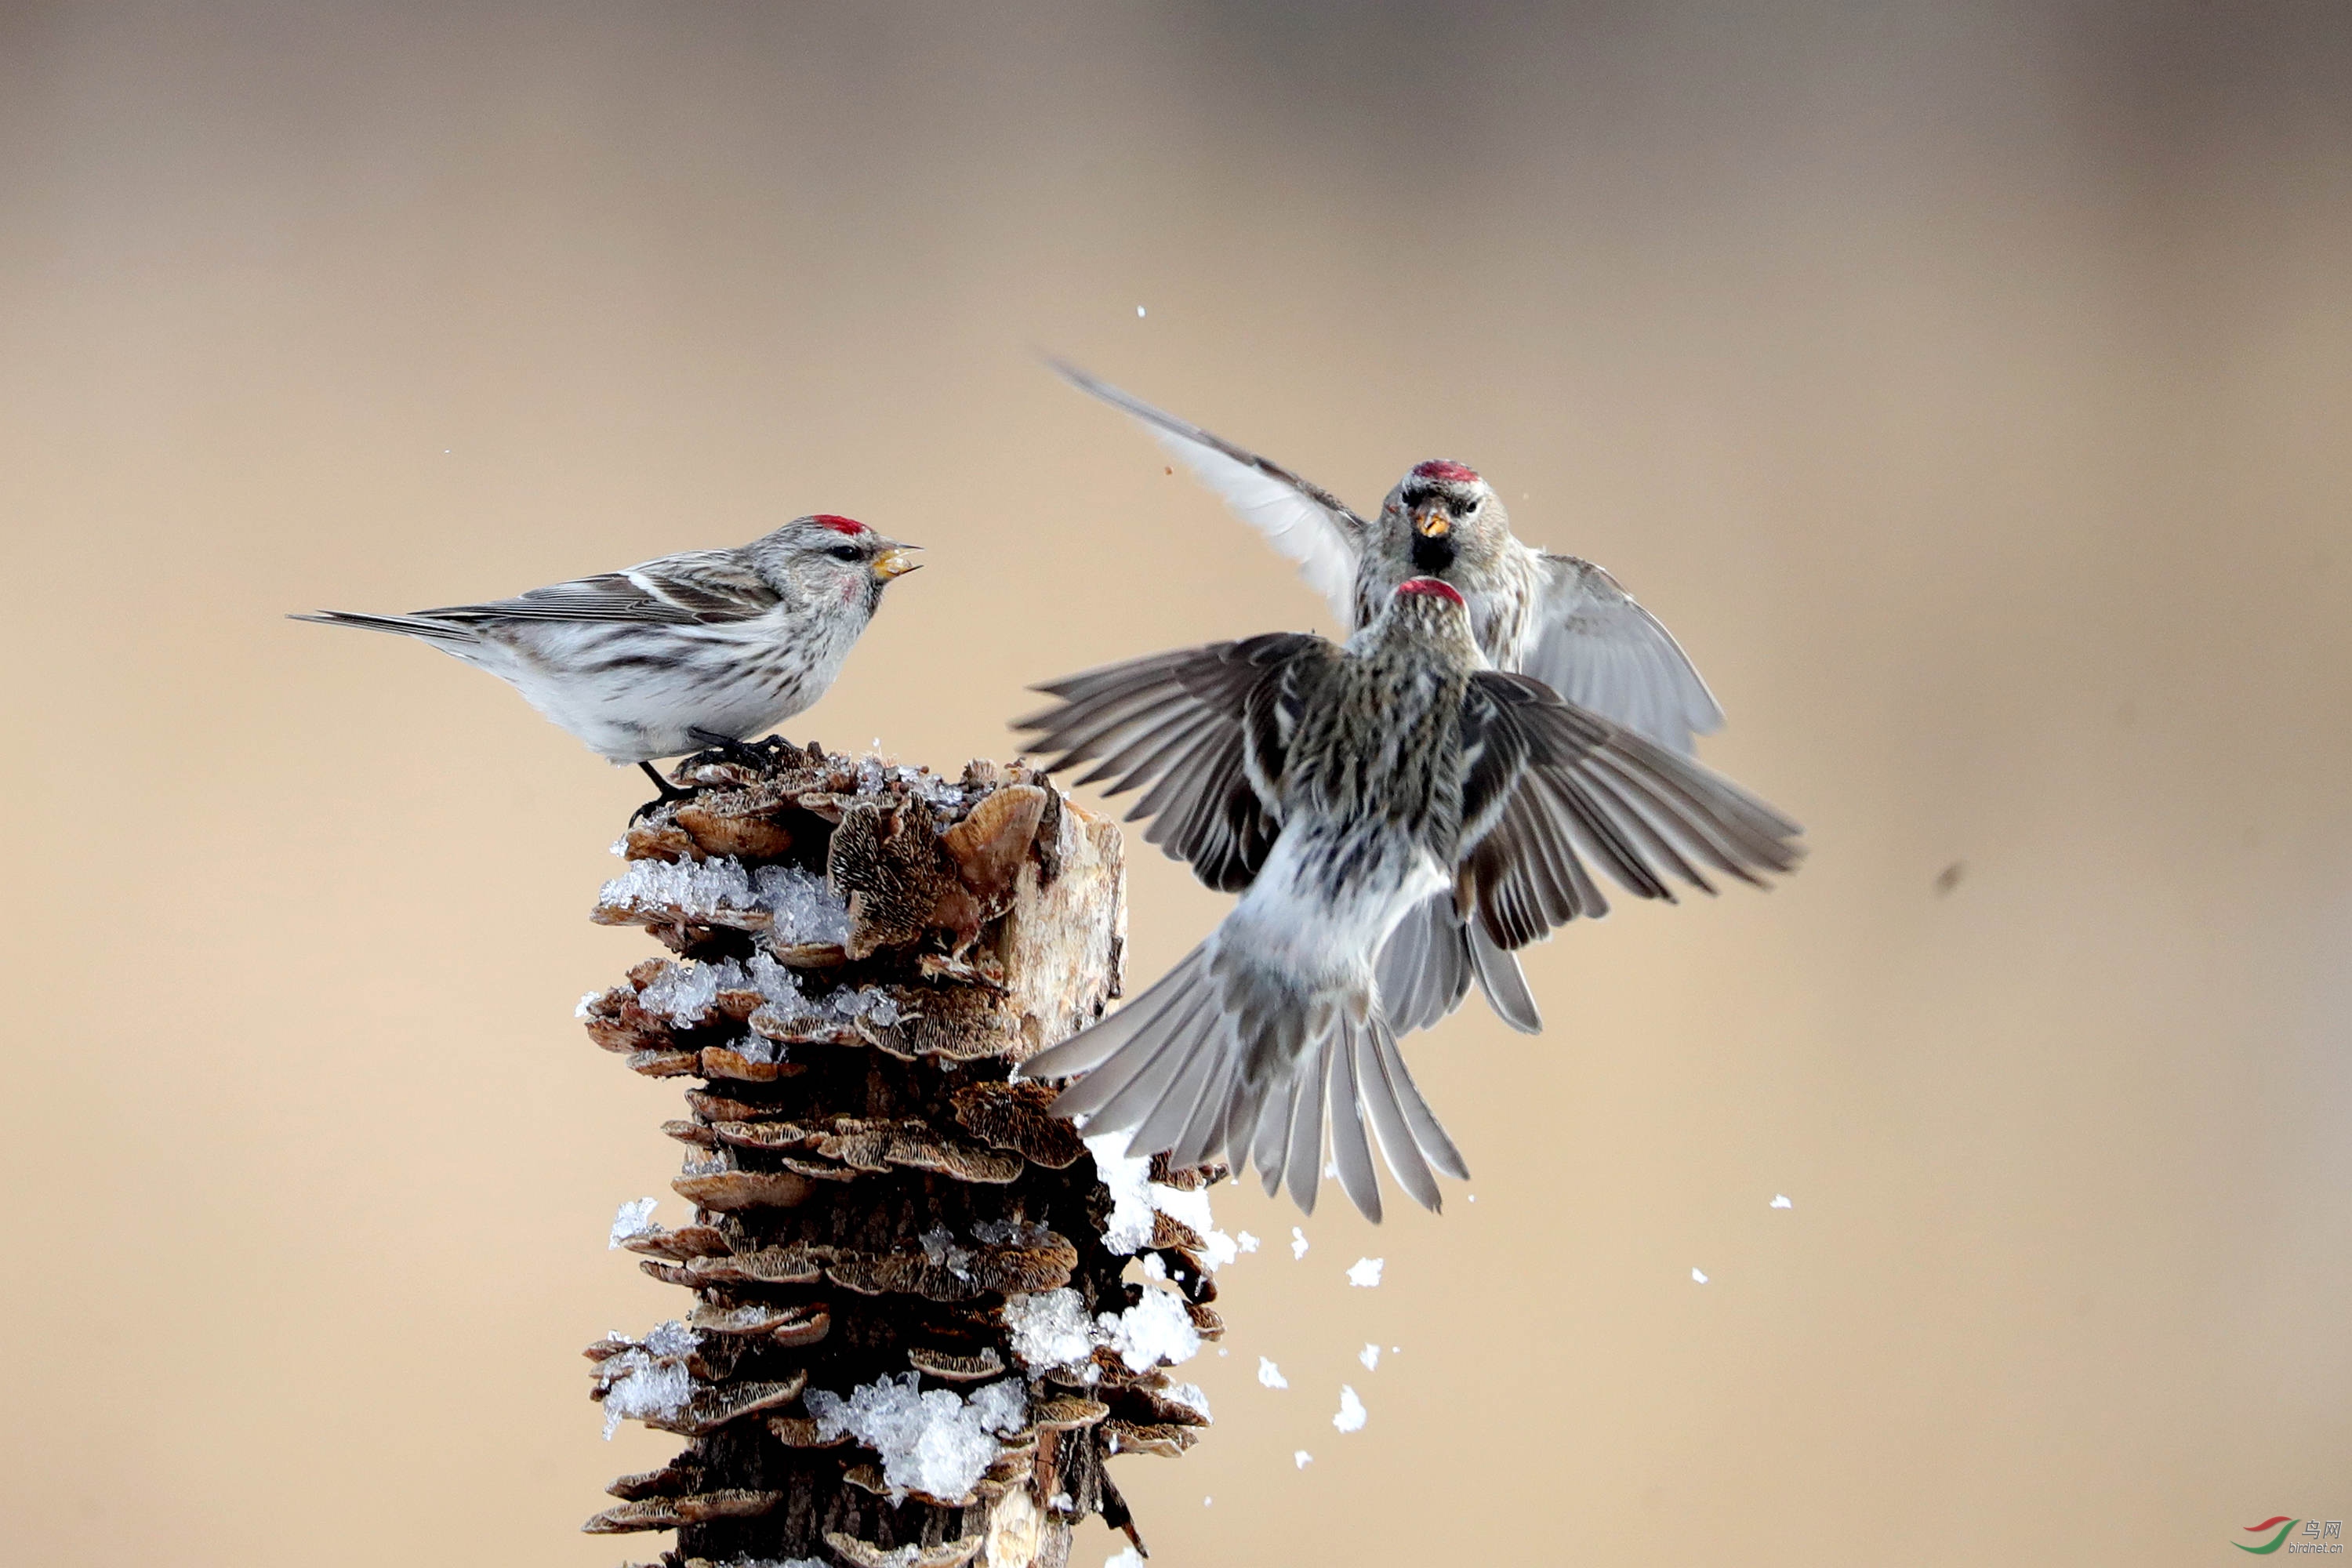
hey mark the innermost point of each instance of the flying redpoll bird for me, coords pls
(699, 649)
(1341, 789)
(1562, 620)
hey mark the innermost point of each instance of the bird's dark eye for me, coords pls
(847, 553)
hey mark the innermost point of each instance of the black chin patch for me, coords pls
(1432, 557)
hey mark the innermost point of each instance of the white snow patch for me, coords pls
(649, 1379)
(1270, 1374)
(1352, 1416)
(1302, 1458)
(1780, 1201)
(864, 1001)
(1129, 1180)
(685, 990)
(1154, 1331)
(1698, 1276)
(799, 906)
(1246, 1242)
(1190, 1395)
(937, 1442)
(1371, 1356)
(1297, 1243)
(1366, 1271)
(631, 1220)
(1126, 1557)
(806, 910)
(1049, 1329)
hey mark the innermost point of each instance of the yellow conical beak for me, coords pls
(895, 561)
(1431, 522)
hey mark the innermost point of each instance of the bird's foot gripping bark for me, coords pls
(763, 755)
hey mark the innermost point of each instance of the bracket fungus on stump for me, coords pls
(912, 1343)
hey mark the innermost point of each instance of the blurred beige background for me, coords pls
(1967, 385)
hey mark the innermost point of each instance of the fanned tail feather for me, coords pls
(1168, 1070)
(1426, 967)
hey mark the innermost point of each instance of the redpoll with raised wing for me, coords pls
(1562, 620)
(703, 649)
(1340, 790)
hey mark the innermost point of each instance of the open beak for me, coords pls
(1431, 521)
(895, 561)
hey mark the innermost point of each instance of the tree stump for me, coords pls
(912, 1343)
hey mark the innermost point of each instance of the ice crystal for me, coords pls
(1049, 1329)
(804, 910)
(1780, 1201)
(1270, 1374)
(1371, 1356)
(1155, 1330)
(940, 1250)
(633, 1219)
(1297, 1243)
(650, 1379)
(1366, 1271)
(937, 1442)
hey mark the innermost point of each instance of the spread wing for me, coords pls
(1202, 732)
(1550, 791)
(1302, 519)
(702, 587)
(1609, 655)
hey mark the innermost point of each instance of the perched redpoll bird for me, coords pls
(702, 648)
(1341, 789)
(1562, 620)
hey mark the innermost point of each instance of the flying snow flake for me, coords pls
(1270, 1374)
(1371, 1356)
(1471, 1196)
(1297, 1243)
(1352, 1416)
(1780, 1201)
(1246, 1242)
(1302, 1458)
(1698, 1276)
(632, 1220)
(1139, 312)
(1366, 1271)
(1126, 1557)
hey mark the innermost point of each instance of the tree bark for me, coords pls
(889, 1236)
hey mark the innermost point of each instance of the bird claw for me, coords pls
(669, 792)
(762, 755)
